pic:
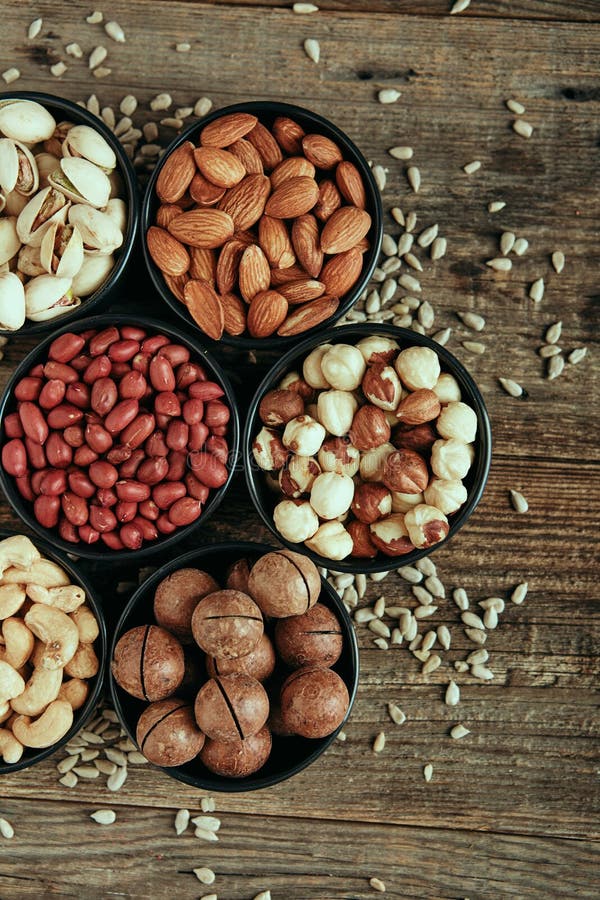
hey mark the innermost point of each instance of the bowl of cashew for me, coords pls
(52, 651)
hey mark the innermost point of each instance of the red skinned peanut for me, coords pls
(164, 495)
(52, 393)
(164, 524)
(12, 426)
(81, 485)
(36, 480)
(128, 468)
(177, 460)
(100, 367)
(155, 445)
(131, 535)
(54, 483)
(185, 511)
(153, 470)
(35, 454)
(177, 435)
(167, 404)
(216, 414)
(147, 528)
(126, 510)
(112, 541)
(187, 374)
(133, 491)
(132, 386)
(46, 510)
(120, 369)
(153, 344)
(219, 447)
(122, 351)
(14, 458)
(67, 531)
(28, 388)
(193, 411)
(139, 429)
(104, 396)
(24, 488)
(74, 436)
(102, 519)
(37, 371)
(106, 498)
(98, 438)
(177, 354)
(195, 488)
(119, 454)
(66, 347)
(78, 394)
(84, 455)
(197, 436)
(103, 474)
(58, 452)
(33, 422)
(205, 390)
(208, 469)
(88, 534)
(149, 510)
(121, 416)
(161, 374)
(132, 333)
(61, 371)
(141, 363)
(75, 508)
(64, 415)
(81, 362)
(100, 343)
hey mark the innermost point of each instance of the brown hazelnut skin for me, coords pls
(418, 407)
(231, 707)
(284, 583)
(363, 546)
(237, 576)
(148, 663)
(406, 471)
(371, 501)
(167, 733)
(279, 406)
(176, 598)
(227, 623)
(259, 663)
(237, 759)
(314, 701)
(313, 639)
(370, 428)
(419, 438)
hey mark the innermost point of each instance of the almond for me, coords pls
(169, 254)
(294, 197)
(283, 276)
(226, 129)
(228, 265)
(176, 284)
(291, 168)
(267, 311)
(203, 264)
(307, 244)
(204, 192)
(329, 200)
(302, 291)
(245, 202)
(166, 212)
(321, 151)
(341, 272)
(350, 183)
(177, 172)
(254, 272)
(202, 227)
(219, 166)
(288, 135)
(205, 308)
(274, 239)
(234, 314)
(266, 145)
(248, 156)
(344, 229)
(308, 316)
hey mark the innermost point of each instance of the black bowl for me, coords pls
(7, 404)
(65, 109)
(265, 499)
(289, 755)
(267, 111)
(30, 756)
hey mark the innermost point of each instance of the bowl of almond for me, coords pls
(261, 223)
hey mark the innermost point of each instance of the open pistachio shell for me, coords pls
(26, 121)
(49, 205)
(61, 252)
(14, 203)
(46, 164)
(47, 292)
(117, 210)
(9, 165)
(18, 169)
(81, 181)
(12, 302)
(99, 231)
(29, 262)
(9, 239)
(81, 140)
(92, 275)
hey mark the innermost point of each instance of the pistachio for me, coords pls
(26, 121)
(47, 297)
(12, 302)
(117, 211)
(61, 251)
(83, 141)
(18, 169)
(29, 261)
(9, 239)
(98, 230)
(81, 181)
(92, 275)
(14, 203)
(49, 205)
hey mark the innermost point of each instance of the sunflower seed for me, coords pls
(377, 884)
(499, 264)
(388, 95)
(444, 636)
(496, 603)
(6, 829)
(426, 566)
(210, 823)
(379, 742)
(58, 69)
(408, 626)
(431, 664)
(126, 746)
(90, 738)
(459, 6)
(517, 108)
(536, 291)
(381, 643)
(472, 320)
(410, 283)
(105, 767)
(521, 246)
(427, 236)
(161, 102)
(513, 388)
(116, 781)
(405, 242)
(477, 657)
(379, 628)
(411, 221)
(115, 32)
(555, 367)
(402, 321)
(125, 124)
(403, 153)
(438, 248)
(391, 265)
(471, 619)
(472, 167)
(452, 695)
(558, 261)
(428, 772)
(89, 755)
(388, 245)
(410, 574)
(576, 355)
(519, 593)
(171, 122)
(507, 242)
(202, 107)
(518, 501)
(474, 346)
(396, 638)
(482, 672)
(476, 635)
(204, 875)
(304, 8)
(388, 289)
(108, 116)
(522, 128)
(97, 56)
(546, 351)
(459, 595)
(312, 48)
(397, 215)
(34, 29)
(490, 618)
(442, 337)
(379, 607)
(73, 49)
(396, 714)
(411, 260)
(414, 178)
(435, 586)
(422, 594)
(207, 804)
(361, 585)
(423, 612)
(66, 764)
(380, 176)
(428, 640)
(378, 576)
(68, 780)
(266, 895)
(496, 205)
(86, 771)
(553, 333)
(459, 731)
(341, 736)
(460, 666)
(415, 644)
(426, 314)
(104, 816)
(205, 834)
(101, 72)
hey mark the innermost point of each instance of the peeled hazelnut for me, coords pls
(418, 367)
(331, 540)
(447, 389)
(339, 455)
(451, 459)
(415, 437)
(343, 366)
(293, 382)
(311, 368)
(371, 502)
(331, 495)
(284, 583)
(457, 420)
(335, 411)
(372, 463)
(370, 428)
(268, 450)
(381, 386)
(303, 435)
(378, 349)
(418, 407)
(279, 406)
(391, 536)
(447, 496)
(298, 476)
(406, 471)
(403, 502)
(362, 545)
(295, 521)
(426, 525)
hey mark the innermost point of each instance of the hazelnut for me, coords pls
(293, 382)
(295, 521)
(370, 428)
(227, 623)
(148, 663)
(418, 407)
(418, 367)
(447, 496)
(335, 411)
(405, 471)
(447, 388)
(372, 463)
(426, 525)
(268, 450)
(339, 455)
(402, 502)
(279, 406)
(390, 535)
(371, 501)
(284, 583)
(259, 663)
(231, 707)
(176, 598)
(167, 733)
(314, 701)
(415, 437)
(362, 545)
(236, 577)
(451, 459)
(343, 366)
(378, 349)
(381, 386)
(313, 639)
(331, 540)
(311, 368)
(303, 435)
(457, 420)
(237, 759)
(331, 495)
(298, 476)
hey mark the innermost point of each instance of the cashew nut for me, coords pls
(86, 623)
(41, 689)
(12, 597)
(11, 750)
(5, 711)
(44, 572)
(18, 642)
(75, 692)
(17, 551)
(57, 631)
(51, 726)
(84, 663)
(37, 653)
(67, 598)
(11, 683)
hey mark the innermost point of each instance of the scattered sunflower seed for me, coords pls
(411, 221)
(517, 108)
(115, 32)
(442, 337)
(34, 29)
(183, 47)
(424, 597)
(65, 765)
(415, 644)
(94, 18)
(459, 595)
(205, 834)
(472, 167)
(472, 320)
(438, 248)
(397, 215)
(312, 48)
(204, 875)
(172, 122)
(410, 283)
(410, 574)
(499, 264)
(411, 260)
(459, 6)
(413, 175)
(150, 131)
(429, 640)
(519, 593)
(553, 333)
(161, 102)
(341, 736)
(207, 804)
(476, 635)
(6, 829)
(490, 618)
(474, 347)
(435, 586)
(396, 714)
(104, 816)
(379, 628)
(89, 755)
(101, 72)
(431, 664)
(513, 388)
(378, 576)
(11, 75)
(68, 780)
(388, 95)
(477, 657)
(521, 246)
(105, 766)
(405, 242)
(392, 264)
(426, 314)
(210, 823)
(396, 639)
(471, 619)
(379, 742)
(108, 117)
(381, 643)
(428, 235)
(97, 56)
(58, 69)
(536, 291)
(444, 636)
(377, 884)
(86, 772)
(496, 205)
(558, 261)
(452, 695)
(202, 107)
(496, 603)
(380, 176)
(428, 772)
(128, 105)
(74, 50)
(482, 672)
(266, 895)
(461, 666)
(459, 731)
(388, 245)
(548, 350)
(116, 781)
(523, 128)
(576, 355)
(507, 242)
(388, 289)
(555, 367)
(404, 153)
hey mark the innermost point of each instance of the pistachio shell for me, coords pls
(9, 239)
(116, 209)
(12, 302)
(61, 252)
(49, 205)
(92, 275)
(28, 178)
(81, 181)
(99, 231)
(9, 165)
(67, 304)
(29, 262)
(47, 164)
(44, 293)
(15, 203)
(81, 140)
(26, 121)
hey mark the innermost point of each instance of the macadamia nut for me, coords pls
(335, 410)
(418, 367)
(296, 522)
(331, 495)
(303, 435)
(459, 421)
(447, 496)
(451, 459)
(343, 366)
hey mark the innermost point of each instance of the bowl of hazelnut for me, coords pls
(367, 447)
(234, 666)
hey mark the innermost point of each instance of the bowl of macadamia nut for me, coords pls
(367, 448)
(52, 651)
(234, 666)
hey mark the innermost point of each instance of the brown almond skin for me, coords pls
(167, 733)
(342, 271)
(231, 707)
(313, 639)
(309, 315)
(148, 663)
(227, 129)
(321, 151)
(288, 134)
(284, 583)
(237, 759)
(176, 598)
(176, 174)
(266, 314)
(219, 166)
(350, 183)
(245, 202)
(258, 664)
(294, 197)
(314, 701)
(227, 623)
(344, 229)
(205, 307)
(167, 252)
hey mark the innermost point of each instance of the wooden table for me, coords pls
(512, 809)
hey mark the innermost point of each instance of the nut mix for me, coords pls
(259, 230)
(263, 677)
(47, 654)
(369, 445)
(62, 215)
(117, 437)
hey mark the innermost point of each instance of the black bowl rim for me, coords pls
(251, 782)
(83, 715)
(133, 211)
(404, 337)
(84, 550)
(372, 255)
